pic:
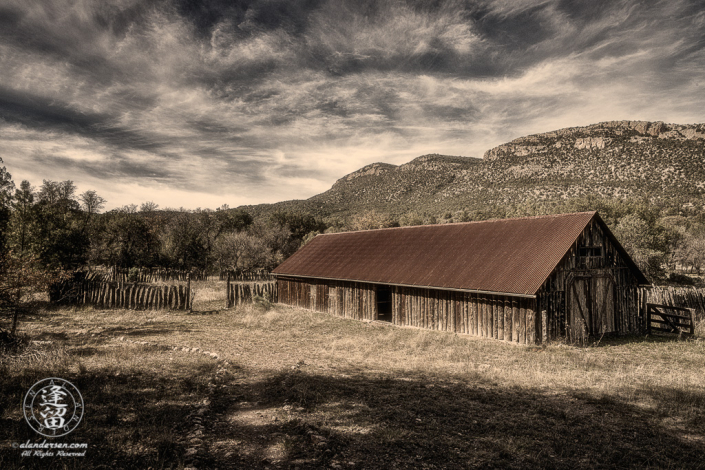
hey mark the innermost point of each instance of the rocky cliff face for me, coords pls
(664, 163)
(373, 169)
(597, 136)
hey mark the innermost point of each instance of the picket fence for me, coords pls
(245, 277)
(126, 295)
(157, 275)
(686, 297)
(239, 293)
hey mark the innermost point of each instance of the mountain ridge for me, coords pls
(639, 130)
(662, 163)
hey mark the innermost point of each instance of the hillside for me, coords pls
(619, 159)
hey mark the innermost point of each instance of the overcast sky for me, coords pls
(199, 104)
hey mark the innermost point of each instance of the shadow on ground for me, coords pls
(373, 422)
(205, 312)
(132, 420)
(303, 419)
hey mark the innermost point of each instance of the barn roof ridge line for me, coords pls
(486, 221)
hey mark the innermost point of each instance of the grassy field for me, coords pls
(287, 388)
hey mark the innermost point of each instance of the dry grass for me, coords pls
(209, 295)
(311, 390)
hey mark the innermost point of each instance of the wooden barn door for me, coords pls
(591, 301)
(603, 305)
(579, 309)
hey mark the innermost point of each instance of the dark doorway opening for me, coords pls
(384, 303)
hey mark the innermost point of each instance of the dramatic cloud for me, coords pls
(200, 103)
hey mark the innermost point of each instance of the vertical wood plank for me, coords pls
(522, 322)
(473, 315)
(500, 318)
(516, 324)
(488, 318)
(495, 317)
(538, 322)
(477, 302)
(464, 310)
(480, 317)
(530, 323)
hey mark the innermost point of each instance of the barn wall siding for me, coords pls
(555, 296)
(608, 284)
(491, 316)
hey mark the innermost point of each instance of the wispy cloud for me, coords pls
(203, 103)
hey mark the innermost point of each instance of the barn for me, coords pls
(527, 280)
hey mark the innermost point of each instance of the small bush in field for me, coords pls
(262, 303)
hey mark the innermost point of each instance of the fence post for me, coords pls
(188, 292)
(228, 303)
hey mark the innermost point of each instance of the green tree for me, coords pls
(6, 187)
(21, 273)
(647, 243)
(297, 223)
(59, 236)
(24, 217)
(182, 244)
(23, 277)
(691, 252)
(122, 237)
(242, 252)
(91, 203)
(149, 206)
(277, 238)
(371, 220)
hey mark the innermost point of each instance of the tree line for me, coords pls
(51, 230)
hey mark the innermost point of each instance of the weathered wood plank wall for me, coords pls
(625, 298)
(501, 317)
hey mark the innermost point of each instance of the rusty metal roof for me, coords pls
(511, 256)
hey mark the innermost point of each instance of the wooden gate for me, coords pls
(679, 320)
(591, 306)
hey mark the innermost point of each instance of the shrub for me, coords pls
(262, 303)
(682, 279)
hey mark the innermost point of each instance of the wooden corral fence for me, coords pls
(240, 293)
(125, 295)
(96, 275)
(685, 297)
(156, 275)
(669, 319)
(246, 276)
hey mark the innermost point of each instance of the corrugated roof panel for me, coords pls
(510, 255)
